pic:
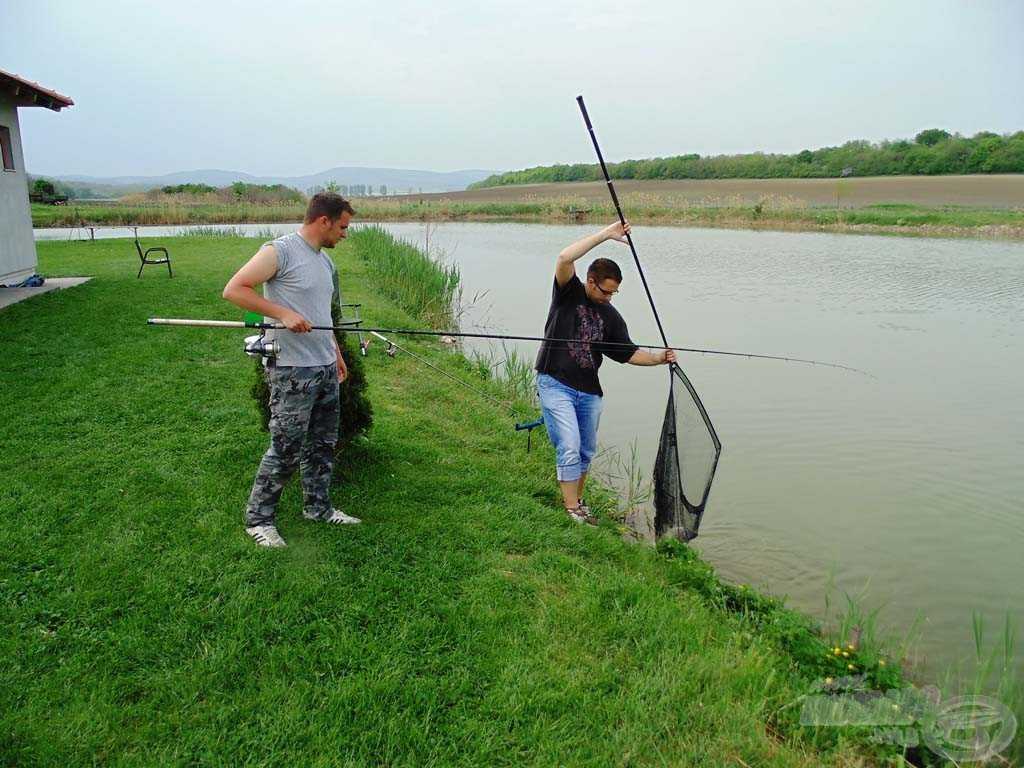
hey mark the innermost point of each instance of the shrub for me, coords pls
(355, 413)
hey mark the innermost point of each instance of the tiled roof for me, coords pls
(29, 94)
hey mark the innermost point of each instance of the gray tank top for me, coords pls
(305, 282)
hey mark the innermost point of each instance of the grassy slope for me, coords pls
(466, 622)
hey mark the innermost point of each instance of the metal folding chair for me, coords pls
(145, 258)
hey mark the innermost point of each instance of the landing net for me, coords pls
(687, 458)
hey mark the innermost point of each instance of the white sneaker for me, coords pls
(266, 536)
(337, 517)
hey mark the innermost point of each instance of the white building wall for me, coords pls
(17, 245)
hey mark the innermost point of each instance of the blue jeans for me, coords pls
(571, 418)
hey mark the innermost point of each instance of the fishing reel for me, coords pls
(259, 346)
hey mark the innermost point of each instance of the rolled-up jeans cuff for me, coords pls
(570, 473)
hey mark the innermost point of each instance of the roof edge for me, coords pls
(31, 94)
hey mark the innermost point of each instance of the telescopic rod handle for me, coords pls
(201, 323)
(343, 326)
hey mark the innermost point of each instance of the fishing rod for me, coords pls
(353, 325)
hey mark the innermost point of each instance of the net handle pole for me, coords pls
(622, 219)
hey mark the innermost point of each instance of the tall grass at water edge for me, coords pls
(854, 634)
(423, 286)
(265, 233)
(428, 289)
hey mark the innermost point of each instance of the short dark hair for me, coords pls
(328, 204)
(604, 269)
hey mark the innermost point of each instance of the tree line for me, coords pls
(352, 190)
(41, 189)
(932, 152)
(238, 192)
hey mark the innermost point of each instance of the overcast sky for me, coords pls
(294, 87)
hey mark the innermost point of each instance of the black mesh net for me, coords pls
(687, 457)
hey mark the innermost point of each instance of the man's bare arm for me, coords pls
(661, 357)
(565, 266)
(241, 290)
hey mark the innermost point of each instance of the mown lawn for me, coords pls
(465, 622)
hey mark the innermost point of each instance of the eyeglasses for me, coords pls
(603, 291)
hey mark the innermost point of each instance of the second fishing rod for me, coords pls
(354, 326)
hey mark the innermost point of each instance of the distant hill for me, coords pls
(396, 180)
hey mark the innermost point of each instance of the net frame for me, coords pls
(676, 512)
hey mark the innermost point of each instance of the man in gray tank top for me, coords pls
(298, 289)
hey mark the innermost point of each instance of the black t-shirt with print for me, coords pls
(574, 316)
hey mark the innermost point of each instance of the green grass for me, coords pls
(466, 622)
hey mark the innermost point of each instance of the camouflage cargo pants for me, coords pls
(303, 433)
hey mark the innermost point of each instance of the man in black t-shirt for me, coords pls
(567, 383)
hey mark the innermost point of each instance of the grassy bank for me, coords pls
(770, 212)
(466, 622)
